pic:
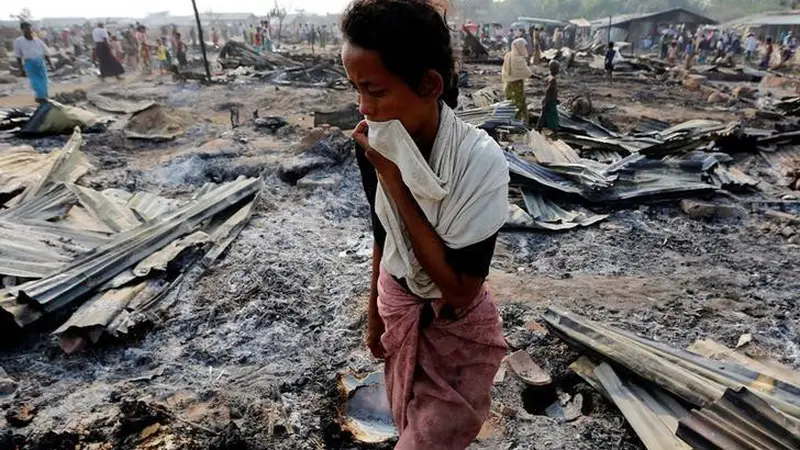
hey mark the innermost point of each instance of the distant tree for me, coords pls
(23, 16)
(278, 12)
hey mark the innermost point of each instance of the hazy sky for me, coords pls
(138, 8)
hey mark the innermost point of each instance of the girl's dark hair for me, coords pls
(411, 37)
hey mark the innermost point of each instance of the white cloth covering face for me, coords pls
(462, 190)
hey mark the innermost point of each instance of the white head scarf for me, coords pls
(515, 64)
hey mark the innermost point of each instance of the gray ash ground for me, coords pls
(259, 339)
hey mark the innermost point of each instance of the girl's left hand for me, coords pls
(387, 170)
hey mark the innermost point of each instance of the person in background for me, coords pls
(514, 73)
(193, 37)
(664, 44)
(215, 37)
(251, 35)
(180, 51)
(32, 53)
(750, 47)
(323, 37)
(430, 315)
(558, 37)
(109, 65)
(145, 56)
(691, 51)
(116, 49)
(537, 46)
(131, 50)
(549, 117)
(611, 54)
(768, 49)
(266, 40)
(65, 38)
(173, 39)
(736, 45)
(162, 54)
(672, 53)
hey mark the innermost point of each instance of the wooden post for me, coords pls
(609, 29)
(202, 40)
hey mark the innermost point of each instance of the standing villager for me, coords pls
(266, 43)
(611, 55)
(116, 49)
(31, 54)
(515, 72)
(131, 49)
(549, 117)
(672, 54)
(664, 44)
(768, 49)
(162, 54)
(180, 51)
(537, 46)
(750, 47)
(558, 38)
(109, 66)
(193, 37)
(691, 51)
(437, 189)
(215, 37)
(323, 36)
(144, 49)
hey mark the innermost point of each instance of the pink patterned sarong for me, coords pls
(438, 379)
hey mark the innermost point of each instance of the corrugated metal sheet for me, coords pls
(787, 19)
(697, 380)
(92, 270)
(624, 19)
(548, 215)
(25, 168)
(739, 421)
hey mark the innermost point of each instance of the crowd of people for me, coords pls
(724, 47)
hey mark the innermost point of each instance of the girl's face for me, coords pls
(384, 96)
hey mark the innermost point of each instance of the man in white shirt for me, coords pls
(99, 34)
(104, 57)
(31, 55)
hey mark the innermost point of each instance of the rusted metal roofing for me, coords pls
(740, 420)
(66, 242)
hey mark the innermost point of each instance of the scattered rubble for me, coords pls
(154, 123)
(731, 395)
(120, 252)
(263, 334)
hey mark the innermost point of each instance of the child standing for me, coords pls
(672, 54)
(549, 117)
(163, 56)
(609, 62)
(180, 51)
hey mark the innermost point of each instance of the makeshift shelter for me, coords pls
(772, 24)
(634, 28)
(528, 22)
